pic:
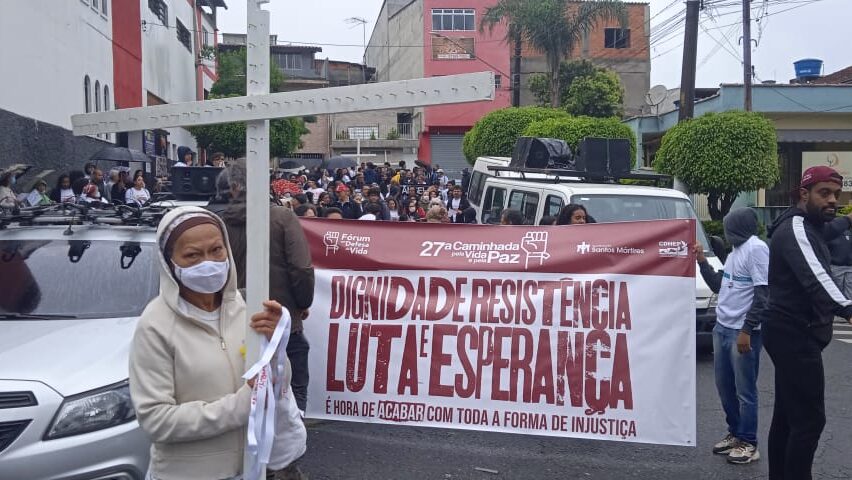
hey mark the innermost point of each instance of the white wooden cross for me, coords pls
(257, 108)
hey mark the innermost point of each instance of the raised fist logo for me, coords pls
(534, 244)
(331, 240)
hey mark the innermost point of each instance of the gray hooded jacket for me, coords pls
(740, 225)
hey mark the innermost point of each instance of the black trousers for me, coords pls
(799, 414)
(297, 352)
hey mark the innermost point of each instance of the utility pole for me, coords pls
(516, 73)
(747, 72)
(690, 50)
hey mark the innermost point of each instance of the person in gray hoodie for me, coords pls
(743, 292)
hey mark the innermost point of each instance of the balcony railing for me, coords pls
(395, 131)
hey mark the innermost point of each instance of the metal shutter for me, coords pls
(447, 152)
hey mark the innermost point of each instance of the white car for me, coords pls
(70, 297)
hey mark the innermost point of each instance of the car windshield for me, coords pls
(76, 278)
(634, 208)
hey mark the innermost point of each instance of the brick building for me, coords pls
(625, 51)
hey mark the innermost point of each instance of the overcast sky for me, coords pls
(808, 29)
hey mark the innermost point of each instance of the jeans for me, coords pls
(799, 414)
(297, 352)
(736, 381)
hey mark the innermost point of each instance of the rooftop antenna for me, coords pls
(355, 21)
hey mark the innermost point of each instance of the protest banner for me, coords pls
(579, 331)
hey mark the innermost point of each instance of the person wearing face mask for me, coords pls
(414, 211)
(186, 360)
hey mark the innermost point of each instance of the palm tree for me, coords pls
(554, 27)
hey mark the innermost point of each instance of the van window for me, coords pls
(477, 185)
(526, 203)
(492, 205)
(634, 208)
(553, 206)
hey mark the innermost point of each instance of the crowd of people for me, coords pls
(88, 186)
(370, 192)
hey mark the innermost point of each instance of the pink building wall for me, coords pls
(489, 48)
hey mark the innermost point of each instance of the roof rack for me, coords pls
(79, 214)
(562, 175)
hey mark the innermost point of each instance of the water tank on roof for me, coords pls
(808, 69)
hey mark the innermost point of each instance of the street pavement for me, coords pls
(343, 450)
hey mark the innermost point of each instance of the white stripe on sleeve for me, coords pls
(821, 275)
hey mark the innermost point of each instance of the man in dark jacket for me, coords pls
(456, 205)
(351, 209)
(291, 274)
(374, 196)
(803, 301)
(737, 341)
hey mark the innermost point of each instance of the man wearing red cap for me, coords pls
(803, 301)
(351, 208)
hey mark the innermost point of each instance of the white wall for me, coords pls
(168, 68)
(48, 46)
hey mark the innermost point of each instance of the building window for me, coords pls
(498, 81)
(288, 61)
(205, 37)
(616, 38)
(106, 98)
(453, 19)
(87, 93)
(105, 7)
(160, 9)
(97, 96)
(183, 35)
(95, 5)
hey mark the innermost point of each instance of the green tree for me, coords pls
(539, 84)
(495, 134)
(721, 155)
(230, 138)
(553, 27)
(574, 129)
(586, 90)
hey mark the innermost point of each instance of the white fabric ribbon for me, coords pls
(261, 424)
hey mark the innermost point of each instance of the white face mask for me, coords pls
(206, 277)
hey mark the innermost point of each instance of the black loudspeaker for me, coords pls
(531, 152)
(604, 156)
(194, 181)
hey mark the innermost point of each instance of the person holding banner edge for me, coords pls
(743, 292)
(803, 301)
(186, 359)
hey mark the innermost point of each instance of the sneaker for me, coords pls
(725, 445)
(743, 453)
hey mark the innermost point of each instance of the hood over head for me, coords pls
(181, 151)
(169, 288)
(740, 225)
